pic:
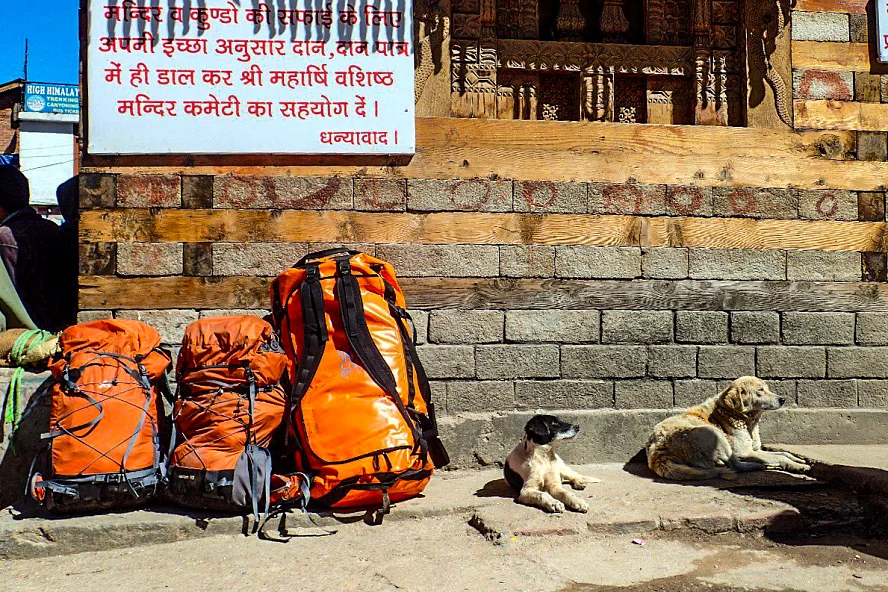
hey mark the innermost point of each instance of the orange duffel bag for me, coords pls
(362, 418)
(229, 403)
(104, 437)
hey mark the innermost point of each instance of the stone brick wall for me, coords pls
(496, 357)
(832, 61)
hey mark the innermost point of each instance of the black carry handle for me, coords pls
(326, 253)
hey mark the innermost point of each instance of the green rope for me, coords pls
(33, 338)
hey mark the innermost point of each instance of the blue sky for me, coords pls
(51, 28)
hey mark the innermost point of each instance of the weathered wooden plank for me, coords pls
(824, 55)
(583, 151)
(841, 115)
(849, 6)
(196, 226)
(105, 293)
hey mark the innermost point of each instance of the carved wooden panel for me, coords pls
(595, 57)
(598, 97)
(517, 19)
(517, 95)
(559, 97)
(473, 6)
(630, 99)
(466, 26)
(669, 101)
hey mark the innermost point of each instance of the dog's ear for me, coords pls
(732, 397)
(539, 431)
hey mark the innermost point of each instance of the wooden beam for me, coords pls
(107, 293)
(824, 55)
(841, 115)
(572, 151)
(848, 6)
(298, 226)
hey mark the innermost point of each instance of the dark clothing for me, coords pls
(38, 256)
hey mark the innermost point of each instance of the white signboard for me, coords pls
(882, 29)
(249, 76)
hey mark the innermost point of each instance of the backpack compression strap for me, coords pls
(351, 305)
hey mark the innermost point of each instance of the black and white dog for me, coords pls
(538, 474)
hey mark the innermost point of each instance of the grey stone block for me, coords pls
(421, 325)
(480, 396)
(636, 326)
(627, 198)
(831, 266)
(603, 361)
(517, 361)
(710, 326)
(737, 264)
(466, 326)
(442, 260)
(672, 361)
(527, 261)
(571, 326)
(827, 393)
(664, 263)
(474, 195)
(872, 328)
(170, 323)
(389, 195)
(872, 394)
(759, 326)
(755, 203)
(820, 26)
(267, 259)
(808, 328)
(857, 362)
(688, 200)
(689, 393)
(564, 394)
(85, 316)
(154, 259)
(725, 361)
(827, 204)
(643, 394)
(439, 396)
(549, 196)
(447, 361)
(597, 262)
(791, 362)
(309, 193)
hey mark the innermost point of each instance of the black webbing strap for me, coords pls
(351, 305)
(315, 336)
(348, 293)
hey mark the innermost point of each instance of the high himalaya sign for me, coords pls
(52, 98)
(243, 76)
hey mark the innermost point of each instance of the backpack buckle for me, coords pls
(343, 266)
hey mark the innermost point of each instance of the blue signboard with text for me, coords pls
(52, 98)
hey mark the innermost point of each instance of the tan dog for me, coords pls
(536, 472)
(720, 435)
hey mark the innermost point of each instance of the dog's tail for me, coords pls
(668, 469)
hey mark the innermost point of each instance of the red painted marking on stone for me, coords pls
(742, 201)
(625, 199)
(685, 200)
(532, 188)
(454, 197)
(827, 205)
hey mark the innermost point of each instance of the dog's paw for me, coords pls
(554, 506)
(580, 506)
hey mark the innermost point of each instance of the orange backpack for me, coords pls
(228, 405)
(362, 416)
(103, 440)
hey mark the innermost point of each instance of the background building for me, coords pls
(611, 212)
